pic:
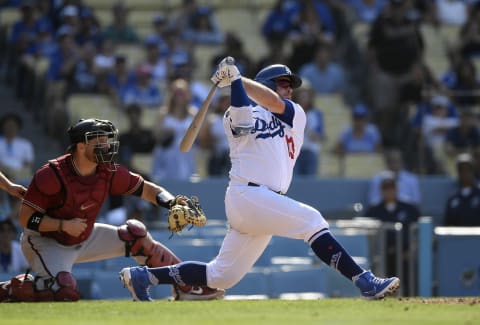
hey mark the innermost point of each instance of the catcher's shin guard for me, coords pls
(139, 242)
(62, 288)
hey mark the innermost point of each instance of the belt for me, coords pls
(256, 185)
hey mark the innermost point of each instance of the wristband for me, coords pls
(34, 221)
(164, 198)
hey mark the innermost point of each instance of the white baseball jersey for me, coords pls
(271, 137)
(263, 150)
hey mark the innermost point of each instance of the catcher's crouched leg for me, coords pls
(139, 243)
(22, 288)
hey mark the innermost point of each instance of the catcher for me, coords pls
(58, 216)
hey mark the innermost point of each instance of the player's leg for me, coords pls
(236, 257)
(52, 264)
(283, 216)
(133, 239)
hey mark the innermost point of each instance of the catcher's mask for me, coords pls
(267, 76)
(106, 147)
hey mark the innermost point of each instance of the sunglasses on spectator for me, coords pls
(283, 83)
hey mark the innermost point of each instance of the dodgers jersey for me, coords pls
(264, 145)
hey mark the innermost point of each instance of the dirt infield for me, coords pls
(443, 300)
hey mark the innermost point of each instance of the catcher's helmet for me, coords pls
(87, 129)
(268, 74)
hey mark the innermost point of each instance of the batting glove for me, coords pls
(226, 73)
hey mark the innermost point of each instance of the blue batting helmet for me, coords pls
(267, 75)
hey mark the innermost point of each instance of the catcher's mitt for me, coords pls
(181, 215)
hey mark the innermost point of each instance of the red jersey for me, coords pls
(60, 192)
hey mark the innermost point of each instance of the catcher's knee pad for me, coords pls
(139, 242)
(65, 287)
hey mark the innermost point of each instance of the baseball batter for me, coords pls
(59, 213)
(265, 130)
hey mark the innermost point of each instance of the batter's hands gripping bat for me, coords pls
(192, 131)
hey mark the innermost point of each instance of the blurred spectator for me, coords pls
(86, 71)
(104, 56)
(419, 156)
(407, 183)
(120, 31)
(198, 89)
(21, 37)
(11, 256)
(275, 51)
(179, 55)
(420, 82)
(392, 32)
(279, 19)
(463, 207)
(69, 16)
(463, 83)
(451, 12)
(325, 75)
(367, 10)
(145, 92)
(359, 137)
(197, 24)
(392, 209)
(59, 79)
(161, 27)
(465, 137)
(469, 36)
(157, 62)
(16, 153)
(233, 46)
(136, 139)
(435, 126)
(212, 137)
(308, 160)
(89, 29)
(120, 79)
(168, 161)
(313, 23)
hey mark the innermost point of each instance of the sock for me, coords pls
(238, 95)
(329, 250)
(185, 273)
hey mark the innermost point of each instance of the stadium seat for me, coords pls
(360, 165)
(255, 282)
(283, 247)
(95, 106)
(296, 279)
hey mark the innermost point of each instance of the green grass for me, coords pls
(327, 311)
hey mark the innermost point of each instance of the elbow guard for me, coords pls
(241, 119)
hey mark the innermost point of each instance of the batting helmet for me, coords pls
(267, 75)
(87, 129)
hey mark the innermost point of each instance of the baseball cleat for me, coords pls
(197, 293)
(136, 280)
(372, 287)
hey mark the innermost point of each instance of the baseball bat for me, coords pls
(194, 127)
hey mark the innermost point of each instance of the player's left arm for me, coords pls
(264, 96)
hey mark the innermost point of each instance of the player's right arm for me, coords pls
(43, 193)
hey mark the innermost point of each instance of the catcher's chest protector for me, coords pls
(83, 197)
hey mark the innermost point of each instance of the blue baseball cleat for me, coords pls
(372, 287)
(136, 280)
